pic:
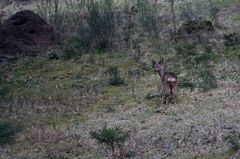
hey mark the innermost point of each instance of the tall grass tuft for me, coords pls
(115, 77)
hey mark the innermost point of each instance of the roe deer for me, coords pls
(169, 81)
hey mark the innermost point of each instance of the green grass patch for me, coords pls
(56, 121)
(40, 79)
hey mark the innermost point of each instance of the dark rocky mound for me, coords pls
(194, 27)
(25, 33)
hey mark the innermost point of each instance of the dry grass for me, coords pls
(59, 102)
(194, 127)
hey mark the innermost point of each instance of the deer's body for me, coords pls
(169, 81)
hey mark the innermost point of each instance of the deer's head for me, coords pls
(158, 67)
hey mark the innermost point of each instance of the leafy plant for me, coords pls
(53, 56)
(74, 47)
(231, 39)
(113, 137)
(150, 96)
(186, 84)
(115, 77)
(207, 79)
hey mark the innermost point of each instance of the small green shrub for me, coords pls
(234, 140)
(53, 56)
(113, 137)
(150, 96)
(73, 47)
(110, 136)
(8, 129)
(207, 79)
(130, 154)
(110, 109)
(231, 39)
(186, 84)
(115, 76)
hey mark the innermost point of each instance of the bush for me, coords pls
(115, 77)
(231, 39)
(8, 129)
(186, 84)
(112, 137)
(73, 47)
(150, 96)
(234, 140)
(53, 56)
(207, 79)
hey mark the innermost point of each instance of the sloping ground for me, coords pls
(195, 128)
(59, 102)
(229, 18)
(62, 101)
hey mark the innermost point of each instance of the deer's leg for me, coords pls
(164, 99)
(165, 93)
(171, 98)
(174, 94)
(164, 96)
(174, 98)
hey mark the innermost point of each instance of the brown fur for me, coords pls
(169, 80)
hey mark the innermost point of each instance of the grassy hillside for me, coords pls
(53, 101)
(59, 102)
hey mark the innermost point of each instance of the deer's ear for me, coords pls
(153, 63)
(161, 61)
